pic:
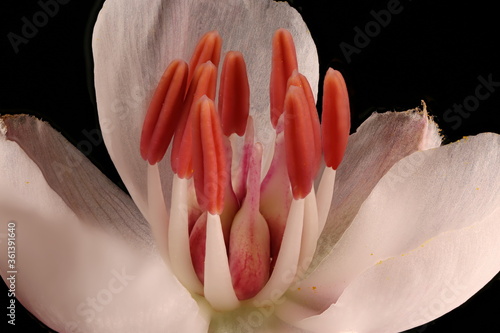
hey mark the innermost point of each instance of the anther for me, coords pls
(284, 62)
(204, 83)
(209, 160)
(301, 81)
(234, 94)
(336, 119)
(208, 49)
(164, 113)
(299, 138)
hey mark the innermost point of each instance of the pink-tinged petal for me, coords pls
(424, 195)
(85, 259)
(417, 286)
(82, 187)
(382, 140)
(134, 41)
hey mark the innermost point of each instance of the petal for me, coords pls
(418, 286)
(422, 196)
(133, 43)
(82, 187)
(382, 140)
(85, 261)
(250, 319)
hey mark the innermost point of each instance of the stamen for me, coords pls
(249, 246)
(336, 119)
(163, 113)
(218, 289)
(234, 95)
(209, 160)
(288, 259)
(204, 83)
(299, 138)
(178, 237)
(284, 62)
(301, 81)
(208, 49)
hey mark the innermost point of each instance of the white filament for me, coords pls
(324, 196)
(288, 258)
(310, 232)
(219, 291)
(178, 237)
(157, 211)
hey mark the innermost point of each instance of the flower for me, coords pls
(364, 277)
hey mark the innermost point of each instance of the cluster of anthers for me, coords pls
(240, 221)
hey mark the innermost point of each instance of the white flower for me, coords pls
(410, 233)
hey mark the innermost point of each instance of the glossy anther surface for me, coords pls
(300, 81)
(299, 138)
(209, 159)
(164, 113)
(284, 62)
(336, 119)
(204, 83)
(234, 94)
(208, 49)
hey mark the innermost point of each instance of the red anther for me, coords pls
(204, 83)
(336, 118)
(164, 113)
(301, 81)
(284, 62)
(208, 49)
(234, 94)
(209, 158)
(299, 140)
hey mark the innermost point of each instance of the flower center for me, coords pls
(244, 225)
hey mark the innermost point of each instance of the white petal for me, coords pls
(134, 41)
(419, 286)
(382, 140)
(84, 255)
(82, 187)
(422, 196)
(252, 320)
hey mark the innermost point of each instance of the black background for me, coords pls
(432, 51)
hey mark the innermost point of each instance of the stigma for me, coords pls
(240, 219)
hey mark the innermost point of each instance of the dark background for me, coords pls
(428, 51)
